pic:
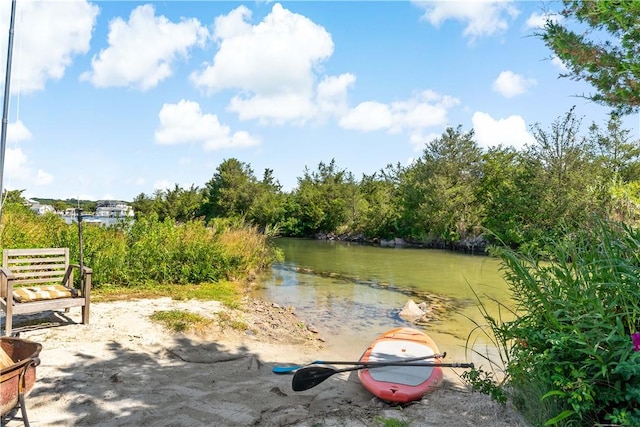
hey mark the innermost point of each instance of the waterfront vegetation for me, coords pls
(449, 197)
(572, 354)
(149, 255)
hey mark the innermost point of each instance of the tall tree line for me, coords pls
(455, 190)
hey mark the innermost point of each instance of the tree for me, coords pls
(439, 189)
(506, 192)
(566, 174)
(268, 205)
(230, 191)
(142, 205)
(323, 198)
(609, 62)
(619, 155)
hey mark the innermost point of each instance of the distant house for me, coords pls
(113, 209)
(40, 209)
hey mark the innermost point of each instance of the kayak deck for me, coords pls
(401, 384)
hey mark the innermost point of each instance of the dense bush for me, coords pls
(148, 250)
(569, 352)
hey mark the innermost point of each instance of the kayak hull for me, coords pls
(401, 384)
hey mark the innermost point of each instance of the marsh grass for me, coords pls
(226, 320)
(228, 293)
(568, 353)
(182, 321)
(149, 253)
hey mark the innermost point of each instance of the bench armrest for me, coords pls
(86, 269)
(6, 287)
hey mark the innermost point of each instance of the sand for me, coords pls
(125, 370)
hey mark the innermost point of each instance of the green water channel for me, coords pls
(352, 293)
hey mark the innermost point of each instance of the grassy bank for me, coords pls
(572, 354)
(148, 254)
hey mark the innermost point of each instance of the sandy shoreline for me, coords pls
(124, 370)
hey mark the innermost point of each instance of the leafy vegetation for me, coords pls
(148, 252)
(571, 354)
(181, 321)
(449, 197)
(605, 54)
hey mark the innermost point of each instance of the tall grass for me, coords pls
(147, 251)
(569, 353)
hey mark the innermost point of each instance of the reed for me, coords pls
(569, 352)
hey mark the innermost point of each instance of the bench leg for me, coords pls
(8, 324)
(85, 314)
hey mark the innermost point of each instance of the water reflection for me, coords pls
(352, 293)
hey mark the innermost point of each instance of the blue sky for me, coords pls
(110, 99)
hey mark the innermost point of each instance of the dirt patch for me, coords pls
(124, 370)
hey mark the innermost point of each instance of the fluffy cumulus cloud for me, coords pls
(185, 122)
(142, 51)
(491, 132)
(18, 170)
(331, 93)
(274, 65)
(63, 31)
(510, 84)
(424, 110)
(481, 17)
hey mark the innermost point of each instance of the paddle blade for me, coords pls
(309, 377)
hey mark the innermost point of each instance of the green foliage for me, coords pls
(577, 307)
(149, 250)
(231, 190)
(438, 191)
(484, 382)
(389, 422)
(323, 199)
(606, 54)
(454, 194)
(180, 321)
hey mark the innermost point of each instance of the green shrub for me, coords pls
(570, 345)
(148, 250)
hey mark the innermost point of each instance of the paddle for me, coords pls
(311, 376)
(289, 369)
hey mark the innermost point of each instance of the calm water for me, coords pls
(352, 293)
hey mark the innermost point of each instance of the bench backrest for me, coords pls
(35, 266)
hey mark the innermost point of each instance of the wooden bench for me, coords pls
(37, 280)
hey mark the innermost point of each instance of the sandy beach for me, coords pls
(125, 370)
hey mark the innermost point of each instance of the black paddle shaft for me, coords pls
(311, 376)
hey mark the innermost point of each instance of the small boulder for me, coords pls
(411, 311)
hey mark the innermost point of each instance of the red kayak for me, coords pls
(401, 384)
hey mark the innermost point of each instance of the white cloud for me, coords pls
(17, 132)
(43, 178)
(481, 17)
(424, 110)
(47, 37)
(18, 169)
(368, 116)
(419, 141)
(142, 51)
(510, 84)
(559, 64)
(538, 20)
(184, 122)
(162, 184)
(511, 131)
(331, 93)
(273, 63)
